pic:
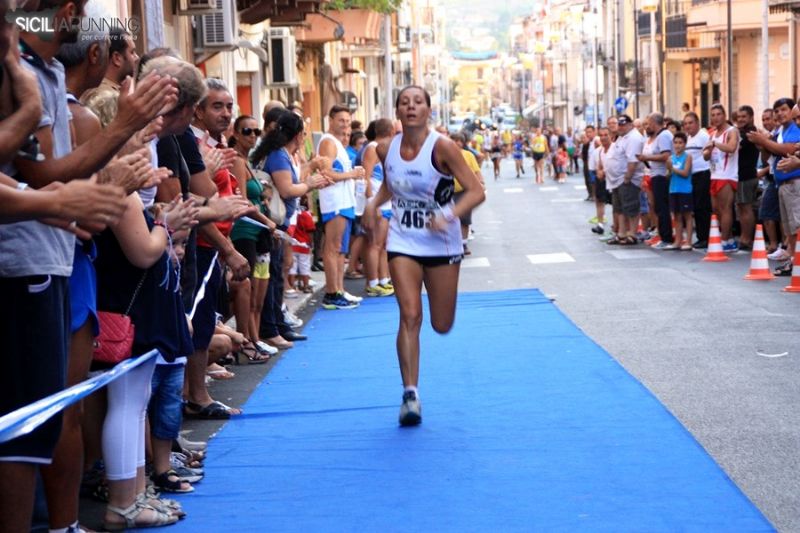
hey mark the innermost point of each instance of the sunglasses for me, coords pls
(251, 131)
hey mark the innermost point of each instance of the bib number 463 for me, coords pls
(417, 219)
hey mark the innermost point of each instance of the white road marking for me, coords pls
(548, 189)
(772, 355)
(494, 222)
(514, 190)
(632, 254)
(565, 200)
(580, 187)
(475, 262)
(546, 259)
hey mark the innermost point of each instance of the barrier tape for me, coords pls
(282, 234)
(26, 419)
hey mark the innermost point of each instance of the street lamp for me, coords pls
(651, 6)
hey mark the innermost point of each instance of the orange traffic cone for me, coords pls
(715, 253)
(794, 285)
(759, 267)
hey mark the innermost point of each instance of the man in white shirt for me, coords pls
(625, 172)
(698, 138)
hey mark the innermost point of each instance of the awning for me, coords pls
(689, 54)
(360, 26)
(280, 12)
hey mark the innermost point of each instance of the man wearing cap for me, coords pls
(624, 173)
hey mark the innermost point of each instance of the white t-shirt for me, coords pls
(694, 147)
(340, 196)
(624, 151)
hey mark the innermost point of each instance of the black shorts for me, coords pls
(247, 247)
(432, 261)
(681, 202)
(35, 328)
(600, 192)
(538, 156)
(205, 317)
(625, 200)
(356, 229)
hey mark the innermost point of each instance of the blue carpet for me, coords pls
(528, 425)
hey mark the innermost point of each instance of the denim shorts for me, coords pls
(166, 401)
(770, 210)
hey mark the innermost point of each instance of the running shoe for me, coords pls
(410, 410)
(594, 220)
(779, 255)
(387, 285)
(730, 247)
(671, 246)
(598, 229)
(291, 319)
(378, 290)
(352, 298)
(337, 301)
(661, 245)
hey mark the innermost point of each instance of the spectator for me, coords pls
(769, 211)
(587, 148)
(280, 143)
(624, 173)
(787, 175)
(378, 281)
(747, 188)
(657, 151)
(722, 152)
(300, 273)
(680, 193)
(337, 204)
(357, 235)
(697, 139)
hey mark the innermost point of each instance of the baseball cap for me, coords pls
(624, 119)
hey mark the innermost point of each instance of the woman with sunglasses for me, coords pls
(250, 240)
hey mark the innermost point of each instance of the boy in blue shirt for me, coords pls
(680, 193)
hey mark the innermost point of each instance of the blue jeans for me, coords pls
(166, 402)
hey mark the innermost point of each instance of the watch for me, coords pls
(22, 186)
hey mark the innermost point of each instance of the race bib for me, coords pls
(416, 214)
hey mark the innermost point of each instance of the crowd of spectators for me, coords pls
(664, 178)
(130, 186)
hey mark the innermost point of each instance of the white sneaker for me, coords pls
(292, 320)
(410, 410)
(266, 348)
(779, 255)
(312, 283)
(352, 298)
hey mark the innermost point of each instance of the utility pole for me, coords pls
(730, 57)
(596, 79)
(636, 56)
(764, 74)
(388, 81)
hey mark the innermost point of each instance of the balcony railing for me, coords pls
(676, 31)
(644, 23)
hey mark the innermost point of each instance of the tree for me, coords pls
(379, 6)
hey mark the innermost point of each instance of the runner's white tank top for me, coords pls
(419, 191)
(341, 195)
(724, 166)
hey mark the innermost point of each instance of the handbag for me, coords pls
(276, 209)
(114, 344)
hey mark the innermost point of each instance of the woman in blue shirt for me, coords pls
(292, 181)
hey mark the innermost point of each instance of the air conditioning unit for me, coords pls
(220, 30)
(197, 7)
(282, 58)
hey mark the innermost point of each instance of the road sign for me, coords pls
(621, 104)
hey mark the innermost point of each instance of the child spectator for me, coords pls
(303, 230)
(680, 193)
(561, 161)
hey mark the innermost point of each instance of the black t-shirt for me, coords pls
(191, 152)
(748, 156)
(171, 156)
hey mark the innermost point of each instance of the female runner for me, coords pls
(424, 242)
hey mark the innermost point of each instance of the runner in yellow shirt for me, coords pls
(472, 163)
(539, 148)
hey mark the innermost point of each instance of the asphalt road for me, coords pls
(692, 332)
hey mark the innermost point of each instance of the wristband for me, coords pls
(447, 213)
(22, 186)
(163, 224)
